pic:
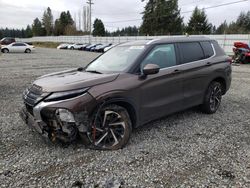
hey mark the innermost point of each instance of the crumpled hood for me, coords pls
(72, 79)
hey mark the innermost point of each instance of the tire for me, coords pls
(114, 134)
(72, 48)
(212, 98)
(5, 50)
(27, 51)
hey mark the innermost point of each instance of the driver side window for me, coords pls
(161, 55)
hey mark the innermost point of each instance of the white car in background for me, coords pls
(76, 46)
(18, 47)
(63, 46)
(109, 47)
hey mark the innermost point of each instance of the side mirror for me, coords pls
(151, 69)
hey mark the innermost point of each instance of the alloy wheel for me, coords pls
(108, 129)
(215, 98)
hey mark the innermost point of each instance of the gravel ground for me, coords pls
(187, 149)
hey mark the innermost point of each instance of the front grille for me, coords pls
(31, 98)
(33, 95)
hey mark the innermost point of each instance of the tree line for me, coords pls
(163, 17)
(46, 26)
(160, 17)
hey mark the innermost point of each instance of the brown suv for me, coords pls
(128, 86)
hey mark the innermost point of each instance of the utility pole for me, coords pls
(90, 21)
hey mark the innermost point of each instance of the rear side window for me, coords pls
(208, 49)
(191, 51)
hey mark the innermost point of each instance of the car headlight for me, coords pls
(65, 95)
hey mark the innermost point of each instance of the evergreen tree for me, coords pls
(37, 28)
(243, 22)
(57, 28)
(99, 29)
(63, 24)
(222, 28)
(162, 17)
(47, 21)
(198, 23)
(28, 32)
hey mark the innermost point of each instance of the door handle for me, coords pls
(208, 64)
(176, 71)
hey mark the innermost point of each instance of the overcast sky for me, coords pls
(19, 13)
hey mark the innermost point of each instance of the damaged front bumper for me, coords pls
(60, 120)
(30, 121)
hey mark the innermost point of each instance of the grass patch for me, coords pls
(46, 44)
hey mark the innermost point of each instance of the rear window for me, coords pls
(191, 51)
(208, 49)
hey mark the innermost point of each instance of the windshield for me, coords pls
(118, 59)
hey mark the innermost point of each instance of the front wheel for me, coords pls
(27, 51)
(110, 129)
(212, 98)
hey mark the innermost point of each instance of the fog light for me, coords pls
(65, 115)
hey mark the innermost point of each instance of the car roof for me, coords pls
(166, 40)
(18, 43)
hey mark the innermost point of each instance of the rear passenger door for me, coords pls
(196, 68)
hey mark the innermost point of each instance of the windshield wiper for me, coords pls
(93, 71)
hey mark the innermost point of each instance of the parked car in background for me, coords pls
(126, 87)
(63, 46)
(18, 47)
(76, 46)
(109, 47)
(84, 47)
(7, 41)
(102, 47)
(93, 49)
(88, 48)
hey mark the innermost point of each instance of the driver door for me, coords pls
(162, 93)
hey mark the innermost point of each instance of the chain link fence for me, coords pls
(226, 41)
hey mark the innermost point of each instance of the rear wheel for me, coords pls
(72, 48)
(27, 51)
(5, 50)
(111, 128)
(213, 98)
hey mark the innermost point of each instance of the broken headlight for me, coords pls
(65, 115)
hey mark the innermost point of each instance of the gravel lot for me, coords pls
(187, 149)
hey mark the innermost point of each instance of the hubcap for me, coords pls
(215, 98)
(108, 129)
